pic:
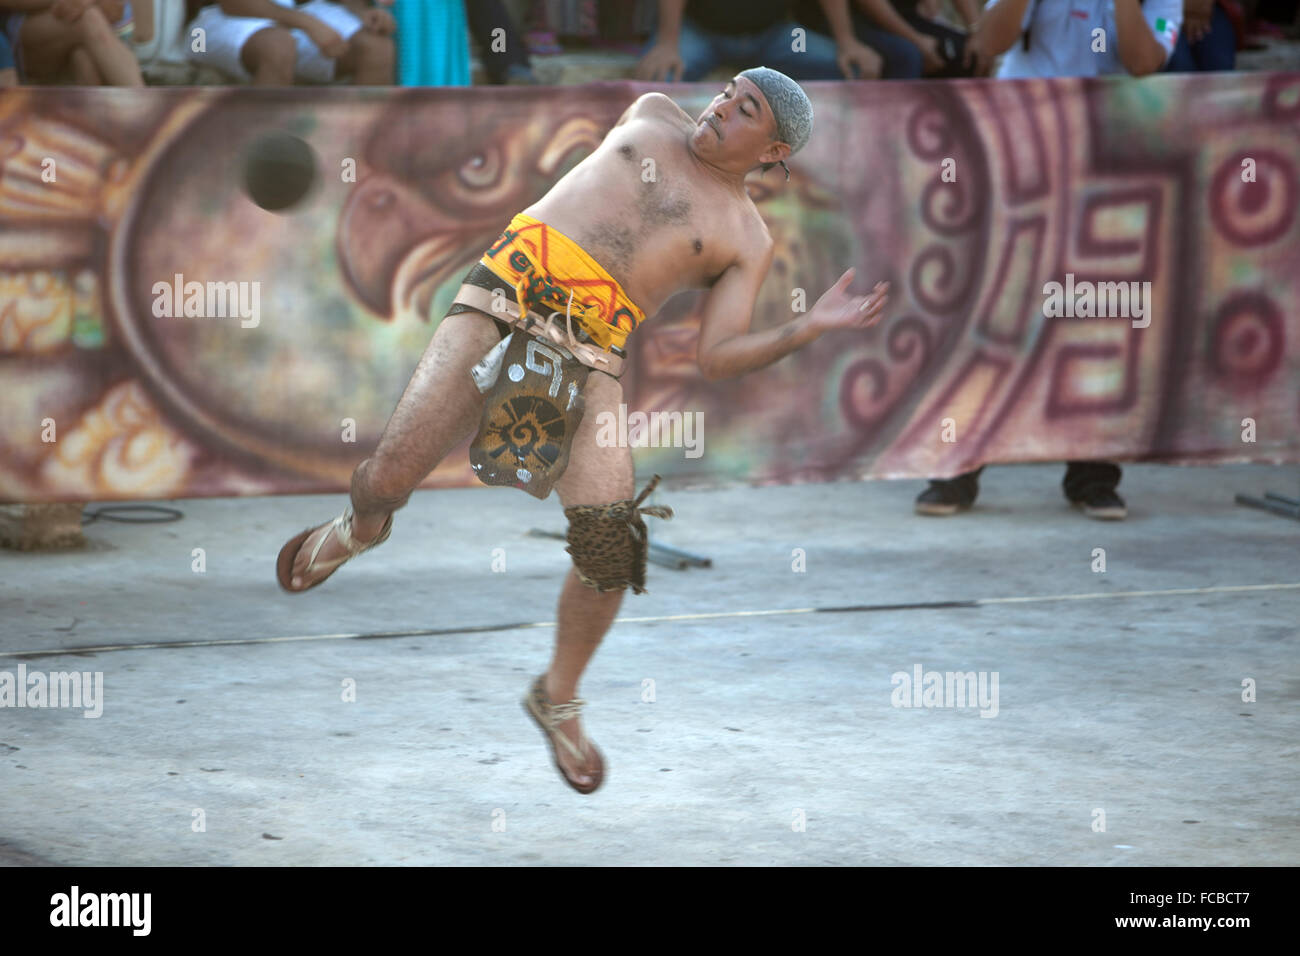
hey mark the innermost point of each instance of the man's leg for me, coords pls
(438, 410)
(596, 476)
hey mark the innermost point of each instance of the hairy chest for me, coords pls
(650, 204)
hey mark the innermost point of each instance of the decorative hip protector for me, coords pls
(533, 408)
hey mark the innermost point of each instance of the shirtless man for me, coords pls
(692, 227)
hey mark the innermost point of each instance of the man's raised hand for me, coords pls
(379, 21)
(837, 309)
(661, 64)
(327, 39)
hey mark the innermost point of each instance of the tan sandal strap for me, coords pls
(562, 712)
(343, 528)
(555, 714)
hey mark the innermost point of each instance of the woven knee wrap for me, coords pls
(608, 543)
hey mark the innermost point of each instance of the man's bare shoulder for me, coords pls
(662, 102)
(748, 243)
(654, 106)
(755, 241)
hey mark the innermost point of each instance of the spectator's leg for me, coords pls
(952, 45)
(485, 16)
(903, 61)
(371, 60)
(270, 56)
(817, 60)
(142, 15)
(1181, 60)
(8, 72)
(698, 49)
(83, 69)
(48, 43)
(1217, 50)
(113, 59)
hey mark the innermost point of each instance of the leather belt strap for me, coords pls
(507, 310)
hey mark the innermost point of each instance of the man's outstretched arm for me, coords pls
(727, 348)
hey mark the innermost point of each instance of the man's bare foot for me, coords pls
(580, 772)
(364, 531)
(585, 772)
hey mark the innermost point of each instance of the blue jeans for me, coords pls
(1216, 51)
(902, 58)
(701, 51)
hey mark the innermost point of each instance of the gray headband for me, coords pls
(790, 105)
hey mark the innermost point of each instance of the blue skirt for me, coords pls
(432, 43)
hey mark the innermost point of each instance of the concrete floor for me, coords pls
(1128, 705)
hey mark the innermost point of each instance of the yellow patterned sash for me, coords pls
(548, 269)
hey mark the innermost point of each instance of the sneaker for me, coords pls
(947, 496)
(1104, 504)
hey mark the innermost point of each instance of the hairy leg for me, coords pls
(439, 409)
(595, 476)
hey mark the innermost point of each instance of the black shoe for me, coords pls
(1104, 504)
(948, 496)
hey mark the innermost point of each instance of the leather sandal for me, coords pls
(342, 529)
(549, 717)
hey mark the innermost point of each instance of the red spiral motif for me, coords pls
(861, 408)
(929, 132)
(1252, 214)
(1248, 338)
(947, 207)
(934, 280)
(906, 336)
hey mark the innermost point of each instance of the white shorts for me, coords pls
(225, 37)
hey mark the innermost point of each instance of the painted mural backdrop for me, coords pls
(968, 196)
